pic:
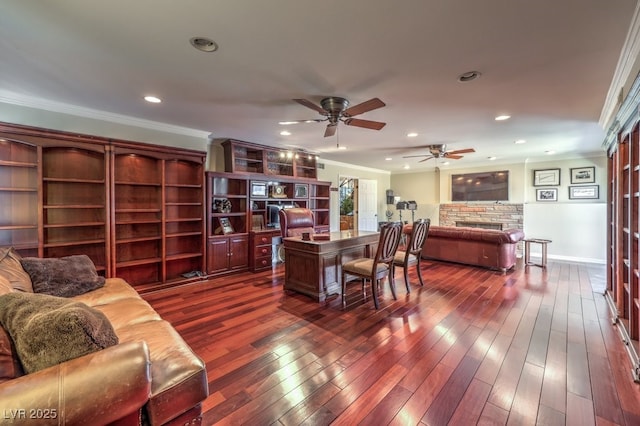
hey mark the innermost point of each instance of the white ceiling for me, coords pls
(547, 63)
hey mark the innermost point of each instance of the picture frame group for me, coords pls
(579, 177)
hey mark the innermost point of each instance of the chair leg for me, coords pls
(419, 272)
(374, 291)
(392, 284)
(406, 278)
(344, 291)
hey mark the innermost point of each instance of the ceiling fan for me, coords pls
(336, 109)
(439, 151)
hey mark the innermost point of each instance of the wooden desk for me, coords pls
(314, 268)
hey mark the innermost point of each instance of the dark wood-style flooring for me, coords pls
(472, 346)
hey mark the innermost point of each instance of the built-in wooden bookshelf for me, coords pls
(623, 236)
(19, 184)
(246, 157)
(74, 202)
(227, 230)
(249, 199)
(137, 210)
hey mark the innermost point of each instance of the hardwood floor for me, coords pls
(472, 346)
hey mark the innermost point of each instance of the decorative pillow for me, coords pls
(11, 269)
(48, 330)
(65, 276)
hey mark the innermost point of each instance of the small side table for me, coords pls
(527, 251)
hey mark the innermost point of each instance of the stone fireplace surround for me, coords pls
(507, 215)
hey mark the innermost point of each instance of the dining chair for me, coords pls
(413, 251)
(377, 268)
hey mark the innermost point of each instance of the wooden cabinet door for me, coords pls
(218, 255)
(238, 252)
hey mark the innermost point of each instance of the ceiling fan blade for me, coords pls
(286, 123)
(428, 158)
(369, 105)
(311, 105)
(367, 124)
(461, 151)
(330, 130)
(453, 157)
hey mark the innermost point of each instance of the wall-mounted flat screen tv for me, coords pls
(484, 186)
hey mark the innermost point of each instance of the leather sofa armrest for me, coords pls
(97, 388)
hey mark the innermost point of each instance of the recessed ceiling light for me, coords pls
(503, 117)
(388, 159)
(342, 147)
(153, 99)
(468, 76)
(406, 167)
(412, 135)
(446, 163)
(203, 44)
(520, 141)
(285, 133)
(491, 158)
(550, 152)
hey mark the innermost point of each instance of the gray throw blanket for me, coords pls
(48, 330)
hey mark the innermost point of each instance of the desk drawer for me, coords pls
(262, 251)
(262, 263)
(261, 239)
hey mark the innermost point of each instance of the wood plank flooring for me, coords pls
(473, 346)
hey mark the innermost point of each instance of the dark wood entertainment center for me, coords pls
(255, 178)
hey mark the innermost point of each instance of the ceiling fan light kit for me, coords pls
(336, 109)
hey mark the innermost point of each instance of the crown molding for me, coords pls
(628, 56)
(12, 98)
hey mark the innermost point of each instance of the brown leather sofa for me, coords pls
(490, 248)
(150, 376)
(296, 221)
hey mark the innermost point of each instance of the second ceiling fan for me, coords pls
(440, 151)
(336, 110)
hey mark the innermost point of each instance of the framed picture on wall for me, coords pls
(546, 177)
(584, 192)
(583, 175)
(547, 194)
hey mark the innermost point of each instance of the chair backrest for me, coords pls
(419, 233)
(388, 243)
(295, 221)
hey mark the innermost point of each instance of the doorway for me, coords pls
(358, 204)
(348, 197)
